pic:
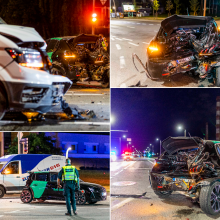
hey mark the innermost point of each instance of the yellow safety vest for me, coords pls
(69, 173)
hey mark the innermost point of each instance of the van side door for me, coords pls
(12, 178)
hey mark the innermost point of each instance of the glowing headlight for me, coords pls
(26, 57)
(153, 48)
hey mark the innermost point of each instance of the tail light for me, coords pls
(26, 57)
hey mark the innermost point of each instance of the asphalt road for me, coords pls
(133, 36)
(133, 198)
(11, 208)
(96, 100)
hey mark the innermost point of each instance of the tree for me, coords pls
(169, 6)
(156, 5)
(38, 144)
(194, 5)
(177, 2)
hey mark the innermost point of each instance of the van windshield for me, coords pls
(2, 164)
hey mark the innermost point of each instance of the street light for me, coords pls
(68, 152)
(160, 144)
(124, 136)
(181, 128)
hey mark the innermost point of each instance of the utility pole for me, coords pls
(204, 12)
(2, 144)
(20, 135)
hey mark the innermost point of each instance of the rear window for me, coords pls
(51, 45)
(41, 176)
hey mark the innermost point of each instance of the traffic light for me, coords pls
(94, 17)
(24, 145)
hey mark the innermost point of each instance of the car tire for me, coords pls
(210, 203)
(2, 191)
(3, 104)
(26, 196)
(80, 198)
(163, 194)
(217, 83)
(92, 202)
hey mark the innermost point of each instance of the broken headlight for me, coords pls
(26, 57)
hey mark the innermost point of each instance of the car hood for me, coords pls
(172, 144)
(184, 21)
(25, 34)
(92, 185)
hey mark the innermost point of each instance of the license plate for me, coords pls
(179, 179)
(184, 60)
(104, 193)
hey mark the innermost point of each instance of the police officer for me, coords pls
(70, 178)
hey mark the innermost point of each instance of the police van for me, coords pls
(14, 169)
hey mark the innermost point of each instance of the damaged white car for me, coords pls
(26, 83)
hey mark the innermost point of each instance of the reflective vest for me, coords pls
(69, 173)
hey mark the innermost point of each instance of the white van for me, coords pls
(14, 169)
(26, 82)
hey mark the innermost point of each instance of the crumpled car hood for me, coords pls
(172, 144)
(184, 21)
(25, 34)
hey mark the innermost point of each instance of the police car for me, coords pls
(43, 186)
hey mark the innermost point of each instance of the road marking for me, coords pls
(112, 38)
(122, 62)
(133, 44)
(12, 122)
(150, 161)
(151, 24)
(138, 23)
(16, 211)
(83, 94)
(127, 39)
(118, 39)
(118, 46)
(144, 24)
(85, 123)
(145, 43)
(121, 204)
(1, 216)
(130, 27)
(102, 208)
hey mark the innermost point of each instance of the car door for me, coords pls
(11, 176)
(52, 190)
(39, 185)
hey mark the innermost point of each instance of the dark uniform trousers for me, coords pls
(69, 194)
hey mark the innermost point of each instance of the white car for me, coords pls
(26, 83)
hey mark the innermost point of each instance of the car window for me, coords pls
(12, 168)
(41, 176)
(51, 45)
(53, 177)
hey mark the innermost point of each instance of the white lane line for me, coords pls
(90, 94)
(118, 46)
(122, 62)
(102, 208)
(127, 39)
(121, 204)
(118, 39)
(11, 122)
(144, 24)
(138, 23)
(145, 43)
(150, 161)
(61, 210)
(151, 24)
(84, 123)
(112, 38)
(133, 44)
(130, 27)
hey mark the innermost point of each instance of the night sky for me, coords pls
(148, 113)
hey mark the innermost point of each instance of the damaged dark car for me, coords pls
(80, 58)
(185, 44)
(191, 165)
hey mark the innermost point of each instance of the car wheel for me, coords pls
(26, 196)
(217, 77)
(2, 191)
(80, 198)
(3, 104)
(163, 194)
(209, 198)
(92, 202)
